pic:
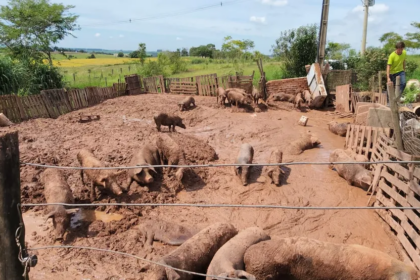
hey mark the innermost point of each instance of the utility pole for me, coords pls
(323, 33)
(366, 5)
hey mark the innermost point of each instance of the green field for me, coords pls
(416, 74)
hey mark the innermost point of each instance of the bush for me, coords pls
(374, 60)
(410, 67)
(91, 56)
(152, 68)
(198, 61)
(120, 54)
(337, 65)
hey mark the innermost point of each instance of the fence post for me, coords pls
(393, 103)
(10, 266)
(380, 82)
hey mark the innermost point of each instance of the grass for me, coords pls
(416, 74)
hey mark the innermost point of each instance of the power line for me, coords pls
(217, 165)
(285, 207)
(182, 12)
(131, 256)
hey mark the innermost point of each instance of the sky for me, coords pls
(104, 24)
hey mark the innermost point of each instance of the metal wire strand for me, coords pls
(131, 256)
(217, 165)
(286, 207)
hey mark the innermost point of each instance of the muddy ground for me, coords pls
(214, 135)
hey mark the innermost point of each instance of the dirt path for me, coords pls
(126, 124)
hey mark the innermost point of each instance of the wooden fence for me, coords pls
(399, 185)
(155, 84)
(53, 103)
(133, 83)
(207, 85)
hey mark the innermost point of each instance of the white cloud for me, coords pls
(121, 36)
(377, 9)
(257, 19)
(97, 34)
(275, 2)
(178, 39)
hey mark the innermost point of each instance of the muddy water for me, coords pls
(86, 215)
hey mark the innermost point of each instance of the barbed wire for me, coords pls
(218, 165)
(131, 256)
(286, 207)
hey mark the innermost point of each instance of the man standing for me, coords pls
(396, 66)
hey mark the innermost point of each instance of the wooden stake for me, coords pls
(10, 266)
(393, 103)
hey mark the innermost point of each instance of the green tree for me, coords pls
(142, 53)
(414, 37)
(373, 61)
(297, 48)
(336, 51)
(184, 52)
(29, 28)
(203, 50)
(236, 48)
(120, 54)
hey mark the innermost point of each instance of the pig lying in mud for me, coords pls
(166, 232)
(256, 95)
(148, 155)
(237, 98)
(195, 254)
(172, 154)
(185, 104)
(245, 156)
(169, 121)
(354, 174)
(338, 128)
(274, 173)
(307, 141)
(298, 101)
(301, 258)
(56, 190)
(281, 96)
(229, 260)
(221, 95)
(102, 178)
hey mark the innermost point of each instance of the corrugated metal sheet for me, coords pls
(316, 86)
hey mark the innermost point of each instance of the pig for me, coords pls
(168, 120)
(245, 156)
(172, 153)
(222, 95)
(354, 174)
(101, 178)
(274, 173)
(56, 190)
(307, 141)
(166, 232)
(307, 96)
(338, 128)
(302, 258)
(298, 100)
(238, 98)
(148, 155)
(256, 95)
(229, 260)
(186, 103)
(281, 96)
(195, 254)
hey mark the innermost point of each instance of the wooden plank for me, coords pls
(348, 136)
(414, 255)
(357, 128)
(394, 181)
(399, 154)
(396, 167)
(362, 140)
(411, 232)
(392, 193)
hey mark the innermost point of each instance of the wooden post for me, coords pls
(10, 266)
(380, 82)
(393, 103)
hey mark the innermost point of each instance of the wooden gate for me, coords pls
(207, 85)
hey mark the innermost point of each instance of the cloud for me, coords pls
(257, 19)
(274, 2)
(178, 39)
(121, 36)
(377, 9)
(97, 34)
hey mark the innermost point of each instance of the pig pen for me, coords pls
(126, 123)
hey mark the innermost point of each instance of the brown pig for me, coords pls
(238, 98)
(354, 174)
(186, 103)
(307, 141)
(168, 120)
(148, 155)
(256, 95)
(274, 173)
(98, 177)
(172, 153)
(338, 128)
(221, 95)
(281, 96)
(245, 156)
(307, 96)
(298, 100)
(56, 190)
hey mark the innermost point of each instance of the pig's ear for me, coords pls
(50, 215)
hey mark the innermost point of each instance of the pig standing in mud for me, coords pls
(222, 95)
(172, 153)
(98, 177)
(169, 121)
(256, 95)
(307, 97)
(245, 156)
(274, 173)
(185, 104)
(298, 100)
(56, 190)
(238, 98)
(148, 155)
(354, 174)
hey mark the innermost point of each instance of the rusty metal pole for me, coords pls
(393, 94)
